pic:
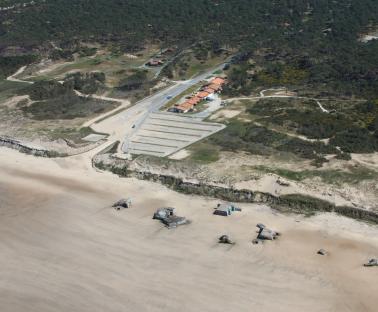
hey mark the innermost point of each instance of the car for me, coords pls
(169, 97)
(133, 127)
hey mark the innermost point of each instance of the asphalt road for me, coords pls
(124, 124)
(137, 114)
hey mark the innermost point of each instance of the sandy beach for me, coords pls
(63, 248)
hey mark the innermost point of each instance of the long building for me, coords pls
(207, 91)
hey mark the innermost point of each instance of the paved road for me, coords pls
(120, 126)
(123, 125)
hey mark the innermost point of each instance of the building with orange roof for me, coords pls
(186, 106)
(218, 81)
(202, 94)
(215, 86)
(194, 100)
(209, 90)
(207, 93)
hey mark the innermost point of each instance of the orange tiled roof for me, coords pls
(214, 86)
(187, 105)
(218, 81)
(195, 100)
(210, 90)
(203, 94)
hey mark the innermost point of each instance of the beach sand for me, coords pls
(63, 248)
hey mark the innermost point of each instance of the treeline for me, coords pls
(296, 42)
(350, 69)
(9, 64)
(253, 23)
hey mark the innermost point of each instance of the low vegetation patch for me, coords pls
(352, 127)
(10, 64)
(67, 107)
(204, 153)
(199, 58)
(9, 89)
(134, 81)
(247, 136)
(72, 135)
(352, 175)
(54, 100)
(87, 83)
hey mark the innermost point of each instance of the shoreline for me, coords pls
(61, 239)
(292, 203)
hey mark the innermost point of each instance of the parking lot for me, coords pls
(163, 134)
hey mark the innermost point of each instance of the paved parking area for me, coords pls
(163, 134)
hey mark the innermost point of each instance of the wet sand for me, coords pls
(62, 248)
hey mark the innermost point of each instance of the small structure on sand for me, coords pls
(168, 217)
(371, 263)
(322, 252)
(225, 239)
(122, 204)
(265, 234)
(226, 209)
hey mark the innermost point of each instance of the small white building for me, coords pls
(210, 97)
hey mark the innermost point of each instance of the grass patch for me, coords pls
(257, 140)
(204, 153)
(72, 134)
(110, 64)
(9, 89)
(353, 126)
(355, 175)
(67, 107)
(190, 66)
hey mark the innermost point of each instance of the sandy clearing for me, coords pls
(48, 66)
(182, 154)
(268, 183)
(225, 114)
(63, 249)
(276, 93)
(13, 101)
(370, 160)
